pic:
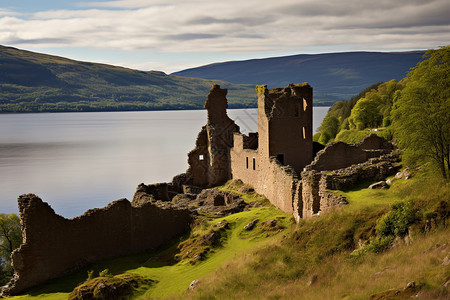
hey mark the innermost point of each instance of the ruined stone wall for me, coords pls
(284, 145)
(53, 245)
(209, 162)
(337, 155)
(340, 155)
(319, 188)
(267, 176)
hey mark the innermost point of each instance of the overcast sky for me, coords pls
(171, 35)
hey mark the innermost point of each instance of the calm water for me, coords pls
(77, 161)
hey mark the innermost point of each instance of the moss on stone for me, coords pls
(261, 89)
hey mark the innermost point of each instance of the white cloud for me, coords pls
(234, 26)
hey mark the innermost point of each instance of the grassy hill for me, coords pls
(328, 257)
(334, 76)
(33, 82)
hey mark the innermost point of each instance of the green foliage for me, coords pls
(377, 245)
(346, 120)
(351, 136)
(386, 121)
(11, 238)
(421, 115)
(105, 273)
(122, 286)
(365, 114)
(397, 221)
(328, 129)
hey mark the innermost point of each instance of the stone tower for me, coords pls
(285, 124)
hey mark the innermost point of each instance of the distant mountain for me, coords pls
(33, 82)
(334, 76)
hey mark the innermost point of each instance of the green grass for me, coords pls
(174, 277)
(314, 259)
(309, 260)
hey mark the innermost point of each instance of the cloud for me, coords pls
(192, 36)
(234, 26)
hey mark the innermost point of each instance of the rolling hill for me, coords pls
(334, 76)
(33, 82)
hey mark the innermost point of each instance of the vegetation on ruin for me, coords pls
(415, 112)
(107, 286)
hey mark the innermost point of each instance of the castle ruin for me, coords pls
(278, 161)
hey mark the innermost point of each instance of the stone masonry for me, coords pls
(53, 246)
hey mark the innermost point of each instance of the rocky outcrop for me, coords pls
(53, 245)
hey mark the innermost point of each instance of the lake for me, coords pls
(77, 161)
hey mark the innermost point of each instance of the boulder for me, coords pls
(193, 284)
(381, 185)
(250, 225)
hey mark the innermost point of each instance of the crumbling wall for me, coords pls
(267, 176)
(209, 162)
(53, 245)
(319, 188)
(338, 155)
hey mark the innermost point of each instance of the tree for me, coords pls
(421, 115)
(328, 129)
(10, 239)
(365, 114)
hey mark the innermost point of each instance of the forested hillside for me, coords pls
(33, 82)
(415, 112)
(334, 76)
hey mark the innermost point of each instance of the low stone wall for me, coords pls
(53, 245)
(319, 187)
(339, 155)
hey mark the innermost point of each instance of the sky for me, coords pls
(172, 35)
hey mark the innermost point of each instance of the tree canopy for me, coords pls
(10, 239)
(421, 115)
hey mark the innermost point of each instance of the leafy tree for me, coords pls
(365, 114)
(421, 115)
(328, 129)
(10, 239)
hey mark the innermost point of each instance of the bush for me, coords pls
(396, 222)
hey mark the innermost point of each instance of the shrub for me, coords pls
(396, 222)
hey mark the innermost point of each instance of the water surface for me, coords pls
(77, 161)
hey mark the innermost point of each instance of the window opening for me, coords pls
(280, 158)
(254, 163)
(201, 157)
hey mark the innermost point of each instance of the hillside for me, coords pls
(33, 82)
(340, 255)
(334, 76)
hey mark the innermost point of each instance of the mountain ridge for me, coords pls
(37, 82)
(334, 76)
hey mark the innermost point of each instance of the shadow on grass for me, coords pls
(359, 186)
(160, 257)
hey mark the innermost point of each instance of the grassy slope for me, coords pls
(314, 260)
(311, 260)
(172, 277)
